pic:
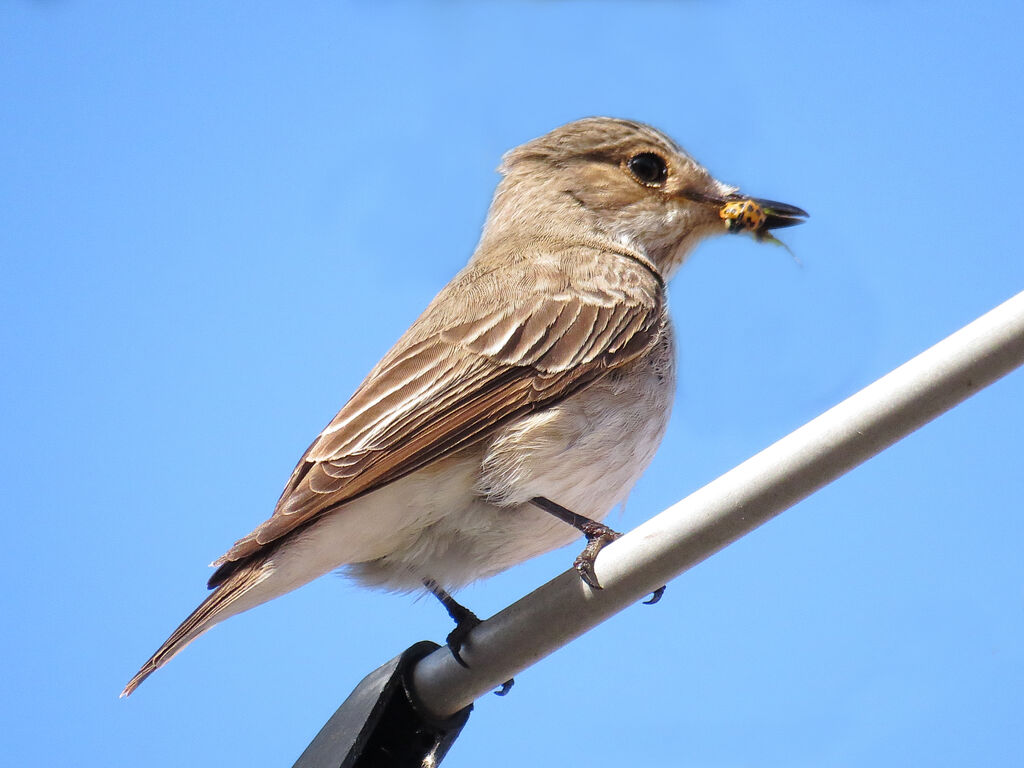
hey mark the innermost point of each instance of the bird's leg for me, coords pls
(598, 535)
(464, 620)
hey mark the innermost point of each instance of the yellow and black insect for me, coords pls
(748, 214)
(743, 214)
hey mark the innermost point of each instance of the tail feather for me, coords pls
(219, 605)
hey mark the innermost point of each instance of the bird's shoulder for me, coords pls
(539, 281)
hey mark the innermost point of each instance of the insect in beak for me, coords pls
(759, 217)
(743, 214)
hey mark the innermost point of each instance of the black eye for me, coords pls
(648, 169)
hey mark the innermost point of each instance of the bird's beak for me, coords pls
(778, 215)
(740, 213)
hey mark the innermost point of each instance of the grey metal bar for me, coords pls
(727, 508)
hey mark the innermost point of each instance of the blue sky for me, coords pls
(217, 217)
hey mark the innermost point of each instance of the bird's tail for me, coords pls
(234, 595)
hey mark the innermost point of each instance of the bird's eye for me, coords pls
(648, 168)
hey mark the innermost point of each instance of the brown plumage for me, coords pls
(466, 380)
(544, 369)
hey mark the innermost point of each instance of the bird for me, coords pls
(525, 401)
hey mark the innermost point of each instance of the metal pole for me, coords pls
(727, 508)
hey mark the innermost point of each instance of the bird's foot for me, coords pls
(457, 637)
(464, 625)
(598, 536)
(465, 620)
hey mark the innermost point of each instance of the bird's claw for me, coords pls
(465, 622)
(598, 536)
(655, 596)
(457, 637)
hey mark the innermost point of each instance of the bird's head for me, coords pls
(627, 182)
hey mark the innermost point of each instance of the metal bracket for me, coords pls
(380, 725)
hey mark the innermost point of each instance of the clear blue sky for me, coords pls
(216, 217)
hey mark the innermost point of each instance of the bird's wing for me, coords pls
(447, 384)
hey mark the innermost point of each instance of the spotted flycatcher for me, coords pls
(524, 402)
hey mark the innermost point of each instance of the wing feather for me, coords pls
(445, 388)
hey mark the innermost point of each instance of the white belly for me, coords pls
(470, 517)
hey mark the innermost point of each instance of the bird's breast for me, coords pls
(587, 451)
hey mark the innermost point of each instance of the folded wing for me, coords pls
(446, 385)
